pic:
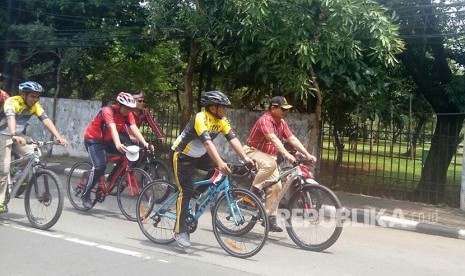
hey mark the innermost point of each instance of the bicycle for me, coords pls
(43, 198)
(232, 213)
(127, 180)
(314, 213)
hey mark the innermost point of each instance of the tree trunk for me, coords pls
(315, 124)
(55, 97)
(411, 152)
(188, 104)
(446, 138)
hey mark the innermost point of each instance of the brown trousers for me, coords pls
(267, 170)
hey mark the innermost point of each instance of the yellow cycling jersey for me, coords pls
(15, 106)
(202, 127)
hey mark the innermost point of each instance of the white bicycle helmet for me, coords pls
(126, 99)
(30, 86)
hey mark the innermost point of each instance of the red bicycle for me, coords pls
(127, 180)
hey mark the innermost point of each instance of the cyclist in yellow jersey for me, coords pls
(194, 149)
(17, 111)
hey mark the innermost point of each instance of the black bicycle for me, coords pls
(43, 198)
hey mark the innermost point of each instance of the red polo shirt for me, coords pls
(266, 124)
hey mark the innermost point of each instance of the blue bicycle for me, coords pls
(240, 221)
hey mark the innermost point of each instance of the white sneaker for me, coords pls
(182, 239)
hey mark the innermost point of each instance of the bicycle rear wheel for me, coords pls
(156, 218)
(129, 189)
(235, 226)
(77, 180)
(43, 199)
(315, 217)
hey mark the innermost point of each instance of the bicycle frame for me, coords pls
(107, 186)
(290, 176)
(31, 167)
(213, 192)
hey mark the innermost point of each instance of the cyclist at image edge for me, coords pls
(3, 94)
(17, 111)
(143, 116)
(194, 149)
(107, 133)
(264, 143)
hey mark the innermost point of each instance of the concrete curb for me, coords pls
(394, 222)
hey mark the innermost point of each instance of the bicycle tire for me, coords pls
(157, 169)
(314, 205)
(43, 201)
(155, 223)
(76, 183)
(245, 238)
(128, 203)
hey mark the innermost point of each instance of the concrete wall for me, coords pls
(243, 120)
(73, 116)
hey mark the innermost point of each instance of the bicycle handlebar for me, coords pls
(42, 143)
(301, 159)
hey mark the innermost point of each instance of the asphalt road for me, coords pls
(103, 242)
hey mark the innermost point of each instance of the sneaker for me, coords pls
(3, 208)
(87, 203)
(182, 239)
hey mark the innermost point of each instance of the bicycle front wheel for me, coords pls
(156, 217)
(240, 223)
(129, 189)
(43, 200)
(315, 217)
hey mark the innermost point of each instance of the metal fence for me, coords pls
(387, 160)
(375, 159)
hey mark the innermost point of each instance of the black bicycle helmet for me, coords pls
(214, 98)
(30, 86)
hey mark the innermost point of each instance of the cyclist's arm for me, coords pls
(300, 148)
(153, 125)
(52, 129)
(11, 122)
(115, 136)
(215, 156)
(136, 132)
(279, 145)
(237, 146)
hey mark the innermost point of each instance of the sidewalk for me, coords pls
(391, 213)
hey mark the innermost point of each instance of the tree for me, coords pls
(433, 32)
(296, 47)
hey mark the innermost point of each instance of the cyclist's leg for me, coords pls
(267, 170)
(22, 150)
(5, 158)
(205, 163)
(97, 156)
(183, 170)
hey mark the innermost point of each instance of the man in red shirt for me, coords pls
(143, 116)
(264, 143)
(108, 133)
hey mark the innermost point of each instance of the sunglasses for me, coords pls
(141, 101)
